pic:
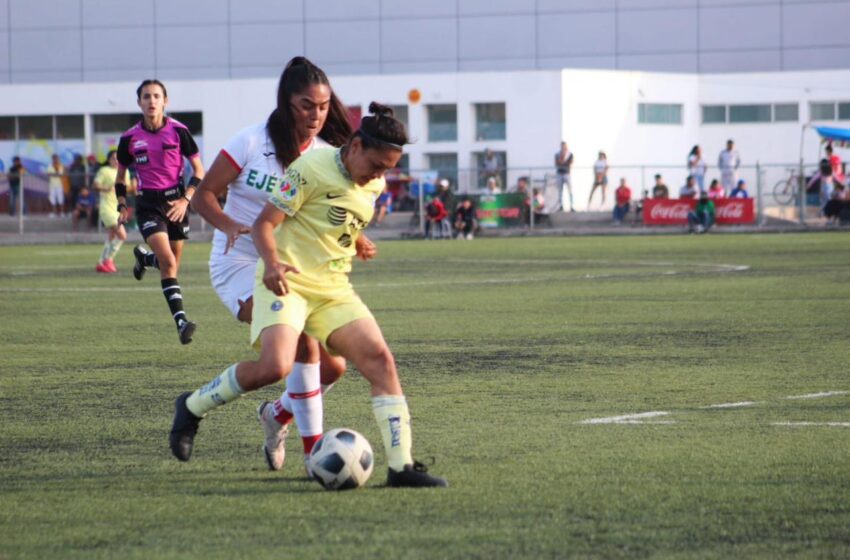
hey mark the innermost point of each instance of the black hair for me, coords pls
(298, 75)
(381, 129)
(694, 150)
(148, 83)
(109, 155)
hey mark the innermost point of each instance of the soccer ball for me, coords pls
(341, 460)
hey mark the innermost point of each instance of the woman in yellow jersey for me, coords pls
(306, 236)
(104, 185)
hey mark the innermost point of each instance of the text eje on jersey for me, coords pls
(266, 182)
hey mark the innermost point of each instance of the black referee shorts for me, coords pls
(152, 214)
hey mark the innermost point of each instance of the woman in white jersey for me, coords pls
(247, 170)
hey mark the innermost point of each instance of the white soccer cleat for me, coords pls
(273, 448)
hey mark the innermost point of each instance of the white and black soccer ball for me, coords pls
(341, 460)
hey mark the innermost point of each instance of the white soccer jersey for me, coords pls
(251, 152)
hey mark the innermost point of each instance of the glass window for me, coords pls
(823, 111)
(490, 121)
(442, 123)
(713, 114)
(194, 122)
(659, 113)
(70, 126)
(404, 164)
(36, 128)
(400, 112)
(749, 113)
(786, 112)
(445, 165)
(844, 111)
(115, 123)
(7, 128)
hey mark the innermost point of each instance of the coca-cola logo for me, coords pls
(671, 212)
(731, 210)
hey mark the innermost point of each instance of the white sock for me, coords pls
(303, 390)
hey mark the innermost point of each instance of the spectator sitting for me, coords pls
(639, 206)
(622, 201)
(435, 216)
(465, 222)
(740, 190)
(83, 207)
(701, 218)
(492, 187)
(537, 201)
(715, 190)
(491, 168)
(444, 192)
(521, 185)
(689, 189)
(837, 209)
(660, 190)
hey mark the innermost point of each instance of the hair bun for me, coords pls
(379, 110)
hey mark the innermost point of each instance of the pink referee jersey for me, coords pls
(157, 156)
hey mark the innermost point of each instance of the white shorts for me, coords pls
(56, 196)
(232, 278)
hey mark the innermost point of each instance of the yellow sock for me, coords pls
(217, 392)
(394, 421)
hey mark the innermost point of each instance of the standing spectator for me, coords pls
(77, 177)
(689, 189)
(701, 218)
(822, 182)
(835, 164)
(491, 168)
(715, 190)
(660, 190)
(563, 163)
(600, 178)
(622, 201)
(536, 201)
(16, 175)
(696, 166)
(465, 221)
(728, 162)
(740, 190)
(55, 186)
(435, 216)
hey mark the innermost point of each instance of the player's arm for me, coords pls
(205, 201)
(262, 232)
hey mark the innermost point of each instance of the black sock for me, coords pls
(174, 298)
(150, 261)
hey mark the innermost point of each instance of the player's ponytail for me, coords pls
(381, 129)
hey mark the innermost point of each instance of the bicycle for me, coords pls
(785, 191)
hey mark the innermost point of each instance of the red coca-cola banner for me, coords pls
(675, 211)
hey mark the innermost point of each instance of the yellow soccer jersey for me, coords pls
(106, 178)
(325, 212)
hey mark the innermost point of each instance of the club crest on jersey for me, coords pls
(287, 190)
(277, 305)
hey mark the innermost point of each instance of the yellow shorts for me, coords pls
(306, 309)
(109, 217)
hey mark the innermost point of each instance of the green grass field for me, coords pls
(506, 348)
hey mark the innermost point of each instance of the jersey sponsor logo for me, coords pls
(277, 305)
(337, 216)
(332, 196)
(141, 158)
(287, 190)
(149, 224)
(261, 182)
(268, 154)
(344, 240)
(140, 144)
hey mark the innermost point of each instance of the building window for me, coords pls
(822, 111)
(659, 113)
(400, 113)
(844, 111)
(442, 123)
(36, 128)
(749, 113)
(194, 121)
(70, 126)
(786, 112)
(713, 114)
(490, 121)
(445, 165)
(7, 128)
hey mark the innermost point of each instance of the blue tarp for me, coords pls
(840, 136)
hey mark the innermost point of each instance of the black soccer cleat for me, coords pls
(414, 476)
(186, 329)
(183, 430)
(139, 268)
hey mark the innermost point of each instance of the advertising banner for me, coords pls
(675, 211)
(500, 210)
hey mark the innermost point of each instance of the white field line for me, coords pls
(806, 424)
(730, 405)
(626, 418)
(818, 395)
